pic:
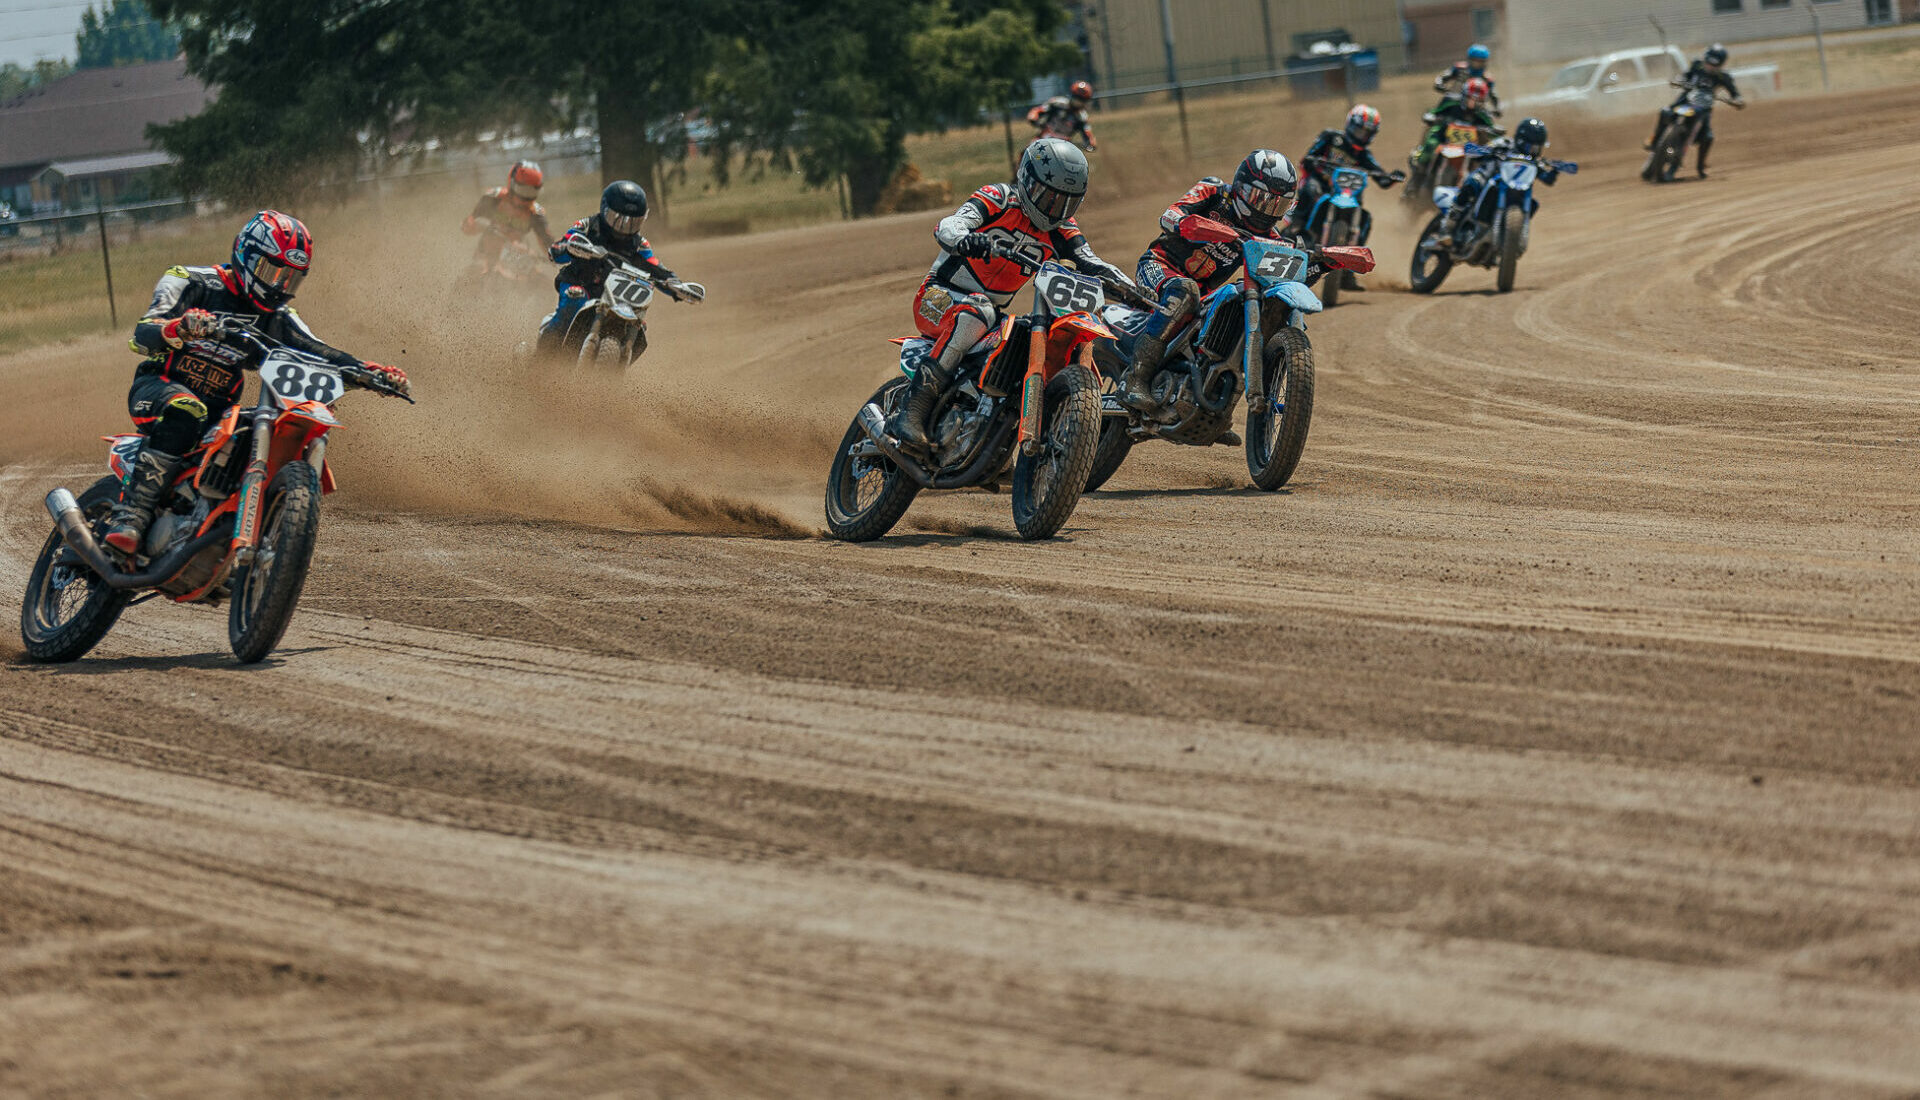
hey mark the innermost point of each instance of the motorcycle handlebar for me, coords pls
(358, 375)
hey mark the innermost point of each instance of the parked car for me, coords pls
(1630, 80)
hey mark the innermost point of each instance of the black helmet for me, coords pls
(623, 206)
(1052, 180)
(1263, 188)
(1716, 55)
(1530, 137)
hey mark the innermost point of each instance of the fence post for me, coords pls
(1173, 78)
(1820, 43)
(106, 255)
(1006, 119)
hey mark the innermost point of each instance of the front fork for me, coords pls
(247, 535)
(1033, 391)
(1256, 380)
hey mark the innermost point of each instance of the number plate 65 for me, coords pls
(1067, 291)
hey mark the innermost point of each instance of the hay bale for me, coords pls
(909, 191)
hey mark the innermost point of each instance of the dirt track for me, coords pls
(1553, 736)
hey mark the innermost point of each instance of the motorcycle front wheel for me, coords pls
(1513, 231)
(1277, 423)
(1047, 484)
(1337, 233)
(1430, 267)
(867, 494)
(266, 591)
(68, 608)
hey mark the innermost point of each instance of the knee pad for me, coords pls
(182, 421)
(1179, 296)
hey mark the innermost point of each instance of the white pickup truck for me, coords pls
(1631, 80)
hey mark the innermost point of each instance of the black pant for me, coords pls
(171, 416)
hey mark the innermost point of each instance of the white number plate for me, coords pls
(295, 380)
(1518, 174)
(1068, 291)
(627, 290)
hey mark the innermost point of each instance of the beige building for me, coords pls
(1527, 32)
(1226, 38)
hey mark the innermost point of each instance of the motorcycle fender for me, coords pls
(1070, 340)
(1346, 202)
(294, 430)
(120, 454)
(1443, 197)
(327, 484)
(1296, 295)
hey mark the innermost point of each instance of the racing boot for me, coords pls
(152, 472)
(1148, 352)
(1701, 165)
(909, 425)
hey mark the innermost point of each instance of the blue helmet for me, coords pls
(1478, 55)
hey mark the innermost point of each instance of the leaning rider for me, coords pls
(1708, 71)
(1065, 116)
(1181, 266)
(1451, 82)
(1339, 148)
(972, 280)
(1529, 140)
(193, 373)
(505, 215)
(1469, 110)
(616, 230)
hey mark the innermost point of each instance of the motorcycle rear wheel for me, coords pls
(66, 613)
(1512, 232)
(1047, 485)
(1421, 280)
(1671, 151)
(1277, 423)
(866, 496)
(266, 591)
(1111, 452)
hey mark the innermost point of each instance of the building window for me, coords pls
(1726, 7)
(1484, 26)
(1775, 3)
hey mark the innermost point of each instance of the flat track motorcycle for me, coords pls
(1025, 399)
(1249, 336)
(1494, 233)
(1339, 218)
(1450, 163)
(611, 331)
(1670, 148)
(239, 521)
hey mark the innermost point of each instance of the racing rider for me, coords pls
(960, 299)
(192, 373)
(1707, 71)
(1342, 148)
(1065, 116)
(1178, 270)
(1469, 110)
(616, 228)
(1450, 83)
(1529, 140)
(505, 215)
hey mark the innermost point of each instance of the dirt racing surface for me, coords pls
(1553, 734)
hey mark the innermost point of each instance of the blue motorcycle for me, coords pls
(1339, 218)
(1492, 234)
(1248, 335)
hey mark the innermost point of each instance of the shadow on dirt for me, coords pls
(212, 660)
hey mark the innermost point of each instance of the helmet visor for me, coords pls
(1362, 131)
(272, 275)
(1051, 202)
(526, 191)
(624, 224)
(1266, 203)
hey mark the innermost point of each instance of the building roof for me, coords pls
(97, 112)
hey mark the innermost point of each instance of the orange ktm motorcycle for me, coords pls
(239, 521)
(1026, 398)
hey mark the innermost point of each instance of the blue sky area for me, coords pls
(33, 29)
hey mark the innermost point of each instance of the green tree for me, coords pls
(836, 86)
(125, 33)
(15, 79)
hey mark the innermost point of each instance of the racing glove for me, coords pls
(974, 246)
(584, 249)
(194, 324)
(394, 378)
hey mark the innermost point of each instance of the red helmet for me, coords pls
(524, 180)
(1081, 90)
(271, 257)
(1475, 93)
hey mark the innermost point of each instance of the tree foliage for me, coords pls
(307, 87)
(15, 79)
(125, 33)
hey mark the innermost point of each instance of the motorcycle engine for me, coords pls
(960, 426)
(178, 519)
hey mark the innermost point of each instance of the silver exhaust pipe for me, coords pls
(874, 423)
(78, 535)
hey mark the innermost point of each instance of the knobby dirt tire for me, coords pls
(1112, 450)
(847, 519)
(1671, 150)
(1071, 423)
(69, 637)
(264, 597)
(611, 356)
(1419, 280)
(1274, 450)
(1512, 234)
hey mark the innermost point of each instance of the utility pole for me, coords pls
(1820, 42)
(1173, 78)
(1106, 46)
(1266, 29)
(106, 257)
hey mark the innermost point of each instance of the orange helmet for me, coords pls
(1475, 93)
(1081, 90)
(524, 180)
